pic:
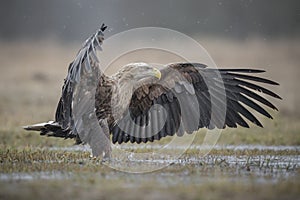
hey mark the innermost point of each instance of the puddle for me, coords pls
(188, 168)
(57, 175)
(192, 147)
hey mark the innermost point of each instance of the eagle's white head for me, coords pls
(138, 72)
(130, 78)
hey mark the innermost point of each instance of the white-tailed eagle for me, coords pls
(95, 108)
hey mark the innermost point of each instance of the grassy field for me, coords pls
(33, 166)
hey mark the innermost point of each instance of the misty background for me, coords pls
(76, 19)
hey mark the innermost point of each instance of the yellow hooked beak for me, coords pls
(156, 73)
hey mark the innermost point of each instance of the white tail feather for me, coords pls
(37, 127)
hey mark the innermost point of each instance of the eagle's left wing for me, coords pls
(75, 113)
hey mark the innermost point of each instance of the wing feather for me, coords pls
(185, 82)
(83, 69)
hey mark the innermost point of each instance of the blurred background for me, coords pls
(38, 39)
(73, 19)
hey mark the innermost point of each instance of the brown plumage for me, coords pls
(142, 104)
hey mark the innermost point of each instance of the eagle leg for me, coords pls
(99, 141)
(106, 141)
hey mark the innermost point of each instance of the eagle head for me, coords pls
(139, 72)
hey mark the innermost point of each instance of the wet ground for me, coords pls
(235, 172)
(265, 163)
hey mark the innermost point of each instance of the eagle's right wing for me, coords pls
(190, 96)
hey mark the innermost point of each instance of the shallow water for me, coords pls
(192, 147)
(188, 168)
(35, 176)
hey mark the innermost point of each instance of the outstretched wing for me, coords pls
(192, 96)
(76, 105)
(79, 68)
